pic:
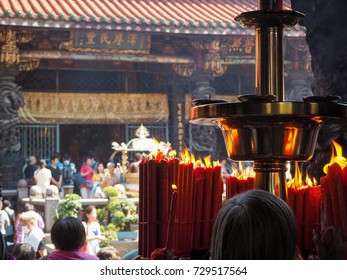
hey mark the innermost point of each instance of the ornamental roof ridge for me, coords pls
(191, 16)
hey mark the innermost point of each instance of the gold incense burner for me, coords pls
(264, 127)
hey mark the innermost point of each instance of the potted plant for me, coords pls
(110, 234)
(123, 212)
(110, 191)
(69, 206)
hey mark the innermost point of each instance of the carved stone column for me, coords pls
(11, 99)
(297, 85)
(203, 138)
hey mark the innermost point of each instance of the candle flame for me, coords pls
(242, 173)
(336, 156)
(188, 157)
(174, 187)
(207, 160)
(298, 183)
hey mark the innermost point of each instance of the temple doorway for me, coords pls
(78, 140)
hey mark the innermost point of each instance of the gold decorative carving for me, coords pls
(97, 108)
(180, 130)
(184, 70)
(25, 36)
(29, 64)
(212, 60)
(116, 42)
(9, 51)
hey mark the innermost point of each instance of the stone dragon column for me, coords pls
(11, 99)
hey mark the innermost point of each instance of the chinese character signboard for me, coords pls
(110, 41)
(239, 46)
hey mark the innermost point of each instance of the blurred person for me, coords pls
(92, 230)
(254, 225)
(35, 236)
(134, 166)
(10, 230)
(4, 222)
(28, 208)
(43, 177)
(111, 177)
(94, 163)
(24, 252)
(29, 171)
(68, 236)
(115, 157)
(108, 253)
(86, 172)
(68, 171)
(98, 177)
(57, 176)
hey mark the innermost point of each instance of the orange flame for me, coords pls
(187, 157)
(336, 156)
(243, 173)
(174, 187)
(298, 183)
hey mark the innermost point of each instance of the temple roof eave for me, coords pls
(297, 31)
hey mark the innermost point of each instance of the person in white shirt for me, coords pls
(4, 219)
(93, 232)
(4, 222)
(43, 177)
(35, 236)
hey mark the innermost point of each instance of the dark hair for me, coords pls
(68, 234)
(254, 225)
(24, 252)
(86, 211)
(41, 163)
(54, 156)
(108, 253)
(66, 156)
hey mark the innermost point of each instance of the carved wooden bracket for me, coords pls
(212, 60)
(184, 70)
(9, 50)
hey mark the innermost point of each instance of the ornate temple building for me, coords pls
(77, 75)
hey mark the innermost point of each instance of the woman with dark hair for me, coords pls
(92, 230)
(254, 225)
(68, 236)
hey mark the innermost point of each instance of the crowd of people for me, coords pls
(252, 225)
(63, 176)
(23, 237)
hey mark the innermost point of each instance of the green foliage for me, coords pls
(101, 214)
(122, 222)
(111, 227)
(121, 204)
(110, 234)
(68, 207)
(111, 191)
(118, 220)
